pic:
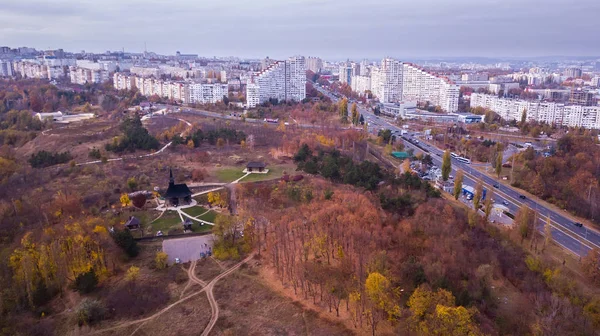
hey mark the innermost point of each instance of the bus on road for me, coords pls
(463, 160)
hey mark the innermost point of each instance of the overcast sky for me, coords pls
(332, 29)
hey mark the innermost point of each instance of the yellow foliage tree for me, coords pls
(434, 313)
(160, 260)
(215, 199)
(190, 144)
(132, 273)
(125, 201)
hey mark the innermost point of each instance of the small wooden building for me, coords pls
(252, 167)
(133, 223)
(187, 224)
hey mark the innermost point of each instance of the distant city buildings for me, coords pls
(314, 64)
(347, 71)
(6, 69)
(282, 80)
(184, 92)
(548, 112)
(395, 81)
(573, 72)
(91, 72)
(46, 68)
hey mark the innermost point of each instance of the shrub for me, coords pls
(125, 241)
(160, 260)
(132, 273)
(44, 159)
(90, 311)
(86, 282)
(95, 154)
(139, 200)
(132, 183)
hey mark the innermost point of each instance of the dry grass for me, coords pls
(248, 307)
(207, 269)
(187, 318)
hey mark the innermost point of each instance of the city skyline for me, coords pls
(329, 29)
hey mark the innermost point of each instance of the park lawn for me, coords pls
(274, 172)
(227, 175)
(198, 227)
(194, 211)
(168, 221)
(209, 216)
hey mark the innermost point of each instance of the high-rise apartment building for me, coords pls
(573, 72)
(360, 84)
(184, 92)
(6, 69)
(314, 64)
(389, 81)
(348, 70)
(394, 81)
(207, 93)
(548, 112)
(282, 80)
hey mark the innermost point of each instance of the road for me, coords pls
(575, 239)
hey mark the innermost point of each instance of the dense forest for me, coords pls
(434, 269)
(569, 178)
(430, 272)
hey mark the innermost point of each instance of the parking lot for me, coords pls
(187, 249)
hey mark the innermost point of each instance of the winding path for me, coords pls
(208, 287)
(140, 156)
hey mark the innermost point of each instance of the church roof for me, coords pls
(178, 191)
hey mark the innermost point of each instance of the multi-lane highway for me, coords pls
(578, 240)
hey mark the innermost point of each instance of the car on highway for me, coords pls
(578, 224)
(505, 202)
(496, 186)
(522, 197)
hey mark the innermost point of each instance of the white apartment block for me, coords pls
(347, 71)
(6, 69)
(395, 81)
(314, 64)
(38, 69)
(282, 80)
(91, 72)
(360, 84)
(548, 112)
(207, 93)
(388, 79)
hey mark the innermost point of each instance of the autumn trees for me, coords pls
(135, 136)
(446, 165)
(458, 182)
(435, 313)
(568, 177)
(343, 110)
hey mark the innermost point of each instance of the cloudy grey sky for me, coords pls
(332, 29)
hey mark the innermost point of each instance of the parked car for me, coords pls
(522, 197)
(177, 261)
(159, 233)
(578, 224)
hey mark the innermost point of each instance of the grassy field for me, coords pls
(227, 175)
(195, 211)
(169, 220)
(209, 216)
